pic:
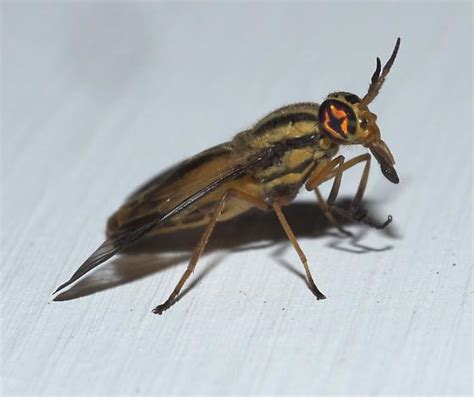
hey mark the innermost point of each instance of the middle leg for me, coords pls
(201, 245)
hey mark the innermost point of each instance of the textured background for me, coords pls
(98, 97)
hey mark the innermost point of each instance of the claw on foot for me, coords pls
(387, 222)
(363, 217)
(161, 308)
(383, 225)
(319, 295)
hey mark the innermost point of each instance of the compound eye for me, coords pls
(337, 119)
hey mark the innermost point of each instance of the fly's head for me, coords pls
(346, 119)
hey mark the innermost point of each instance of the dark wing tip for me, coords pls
(62, 286)
(117, 242)
(106, 250)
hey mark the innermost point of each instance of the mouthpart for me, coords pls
(383, 155)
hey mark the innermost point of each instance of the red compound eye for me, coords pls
(337, 119)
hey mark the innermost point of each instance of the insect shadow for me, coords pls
(252, 230)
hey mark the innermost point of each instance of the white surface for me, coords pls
(99, 97)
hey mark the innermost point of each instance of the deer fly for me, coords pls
(262, 167)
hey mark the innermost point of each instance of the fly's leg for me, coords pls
(334, 169)
(323, 174)
(291, 236)
(201, 245)
(354, 212)
(328, 213)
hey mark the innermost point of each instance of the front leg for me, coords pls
(328, 213)
(322, 173)
(334, 169)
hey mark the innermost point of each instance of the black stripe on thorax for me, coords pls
(273, 154)
(299, 142)
(284, 119)
(299, 169)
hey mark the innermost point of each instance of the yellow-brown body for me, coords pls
(292, 131)
(263, 167)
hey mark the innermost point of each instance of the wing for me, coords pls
(168, 177)
(165, 197)
(166, 190)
